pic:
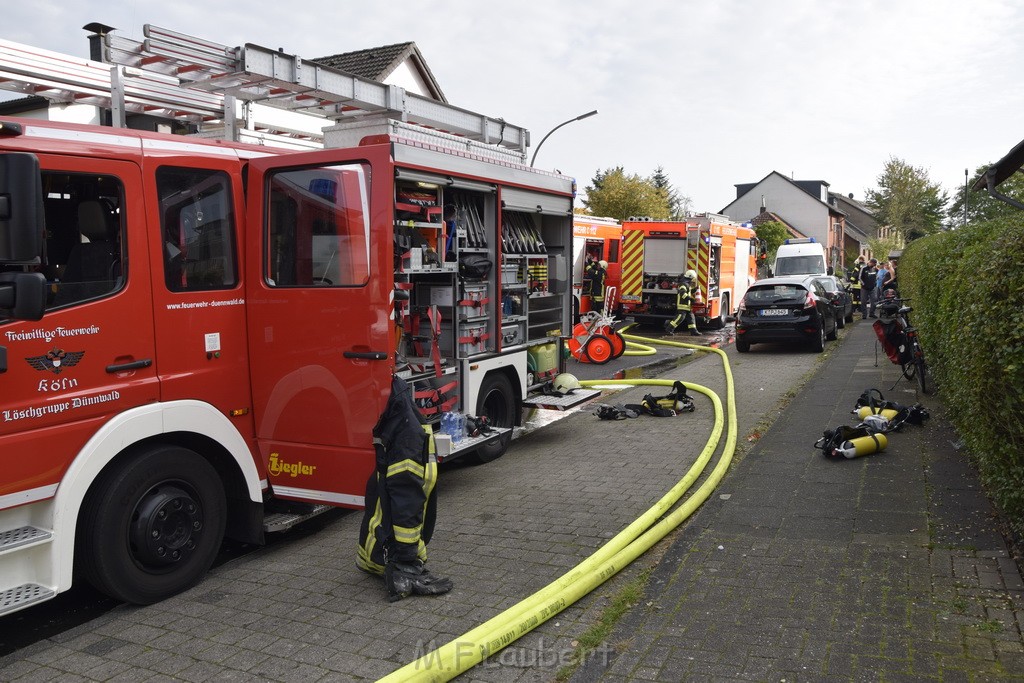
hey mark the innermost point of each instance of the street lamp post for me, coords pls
(564, 123)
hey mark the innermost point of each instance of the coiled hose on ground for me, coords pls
(473, 647)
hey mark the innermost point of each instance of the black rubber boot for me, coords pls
(403, 580)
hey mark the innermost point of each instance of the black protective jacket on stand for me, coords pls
(400, 498)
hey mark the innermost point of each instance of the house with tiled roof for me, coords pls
(861, 226)
(803, 205)
(400, 64)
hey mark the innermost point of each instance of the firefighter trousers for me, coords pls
(684, 316)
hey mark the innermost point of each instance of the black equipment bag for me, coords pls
(474, 266)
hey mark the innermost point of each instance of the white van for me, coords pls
(804, 256)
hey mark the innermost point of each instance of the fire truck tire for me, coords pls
(151, 527)
(598, 349)
(497, 401)
(718, 322)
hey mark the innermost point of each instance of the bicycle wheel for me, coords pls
(921, 371)
(909, 369)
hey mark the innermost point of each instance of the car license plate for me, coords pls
(767, 312)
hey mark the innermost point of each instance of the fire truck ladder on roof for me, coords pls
(63, 78)
(180, 77)
(252, 73)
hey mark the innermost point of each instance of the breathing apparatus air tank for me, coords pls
(887, 413)
(863, 445)
(877, 423)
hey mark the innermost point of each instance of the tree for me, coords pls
(907, 200)
(981, 206)
(619, 195)
(882, 247)
(678, 205)
(774, 234)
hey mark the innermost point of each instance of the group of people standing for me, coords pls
(874, 279)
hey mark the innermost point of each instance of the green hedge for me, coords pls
(967, 287)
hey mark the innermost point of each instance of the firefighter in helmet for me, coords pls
(597, 286)
(686, 295)
(853, 280)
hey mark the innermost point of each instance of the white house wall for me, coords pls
(405, 76)
(782, 197)
(66, 113)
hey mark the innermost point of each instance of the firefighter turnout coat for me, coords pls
(400, 497)
(686, 296)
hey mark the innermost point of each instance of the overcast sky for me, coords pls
(717, 92)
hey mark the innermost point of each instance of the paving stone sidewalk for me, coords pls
(888, 567)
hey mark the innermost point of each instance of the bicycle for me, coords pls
(900, 340)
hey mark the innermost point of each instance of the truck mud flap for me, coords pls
(577, 397)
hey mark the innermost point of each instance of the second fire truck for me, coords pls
(656, 254)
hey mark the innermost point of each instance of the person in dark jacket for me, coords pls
(597, 286)
(868, 293)
(401, 503)
(853, 278)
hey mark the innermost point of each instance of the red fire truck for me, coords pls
(656, 254)
(198, 336)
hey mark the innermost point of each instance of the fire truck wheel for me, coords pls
(152, 526)
(598, 349)
(497, 401)
(718, 322)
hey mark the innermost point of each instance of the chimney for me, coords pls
(99, 32)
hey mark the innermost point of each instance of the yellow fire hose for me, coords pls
(490, 637)
(633, 347)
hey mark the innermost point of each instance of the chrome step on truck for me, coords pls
(23, 539)
(576, 398)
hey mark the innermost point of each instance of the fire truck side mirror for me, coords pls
(21, 209)
(22, 296)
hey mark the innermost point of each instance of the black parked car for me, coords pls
(840, 297)
(786, 309)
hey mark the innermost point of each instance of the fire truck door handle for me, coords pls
(366, 355)
(134, 365)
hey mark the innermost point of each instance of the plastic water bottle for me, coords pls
(446, 424)
(458, 423)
